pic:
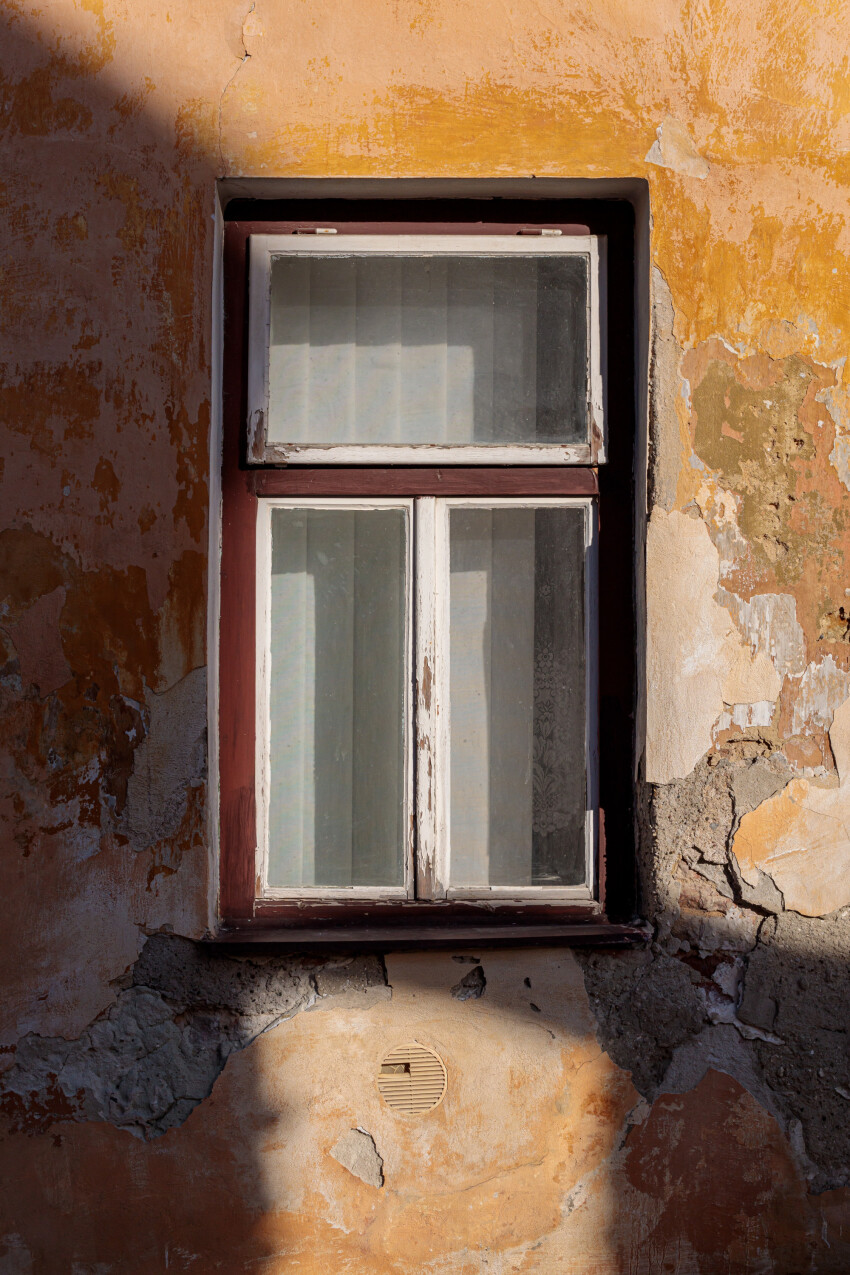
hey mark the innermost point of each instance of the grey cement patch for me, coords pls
(646, 1006)
(170, 760)
(147, 1062)
(696, 818)
(718, 1048)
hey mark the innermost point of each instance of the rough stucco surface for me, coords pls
(681, 1108)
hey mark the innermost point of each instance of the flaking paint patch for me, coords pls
(823, 688)
(801, 837)
(674, 149)
(168, 763)
(748, 429)
(768, 621)
(697, 661)
(38, 644)
(764, 428)
(668, 435)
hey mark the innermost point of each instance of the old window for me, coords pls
(410, 673)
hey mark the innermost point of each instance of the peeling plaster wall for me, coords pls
(684, 1107)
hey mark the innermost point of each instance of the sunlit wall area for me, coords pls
(683, 1105)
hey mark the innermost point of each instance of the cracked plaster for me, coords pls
(155, 1054)
(697, 662)
(674, 149)
(116, 126)
(356, 1151)
(800, 837)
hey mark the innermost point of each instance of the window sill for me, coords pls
(406, 936)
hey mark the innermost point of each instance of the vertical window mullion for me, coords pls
(431, 700)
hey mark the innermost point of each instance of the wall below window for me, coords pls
(682, 1107)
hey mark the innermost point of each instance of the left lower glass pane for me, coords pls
(338, 620)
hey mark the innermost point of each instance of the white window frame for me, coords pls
(263, 667)
(262, 248)
(427, 726)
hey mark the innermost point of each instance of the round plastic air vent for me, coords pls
(412, 1079)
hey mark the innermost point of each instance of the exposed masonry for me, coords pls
(471, 986)
(731, 981)
(155, 1054)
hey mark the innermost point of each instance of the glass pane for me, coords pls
(517, 688)
(338, 603)
(483, 350)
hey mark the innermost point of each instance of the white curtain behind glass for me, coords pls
(517, 696)
(417, 350)
(492, 695)
(336, 699)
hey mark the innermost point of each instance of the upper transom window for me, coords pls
(449, 349)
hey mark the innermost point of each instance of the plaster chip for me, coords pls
(837, 400)
(38, 643)
(674, 149)
(823, 688)
(769, 623)
(471, 986)
(697, 662)
(800, 837)
(356, 1151)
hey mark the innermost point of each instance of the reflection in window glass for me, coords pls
(417, 350)
(336, 700)
(518, 698)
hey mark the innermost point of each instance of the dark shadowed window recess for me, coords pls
(427, 630)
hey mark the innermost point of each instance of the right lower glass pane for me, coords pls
(518, 707)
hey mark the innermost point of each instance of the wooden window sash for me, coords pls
(263, 247)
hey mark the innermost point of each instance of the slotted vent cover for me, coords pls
(412, 1079)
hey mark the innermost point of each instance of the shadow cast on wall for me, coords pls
(169, 1106)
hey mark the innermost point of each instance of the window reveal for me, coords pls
(424, 706)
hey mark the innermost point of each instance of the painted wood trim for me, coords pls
(592, 754)
(379, 938)
(436, 243)
(424, 481)
(429, 796)
(416, 453)
(442, 912)
(237, 630)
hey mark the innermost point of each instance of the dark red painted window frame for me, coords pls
(243, 915)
